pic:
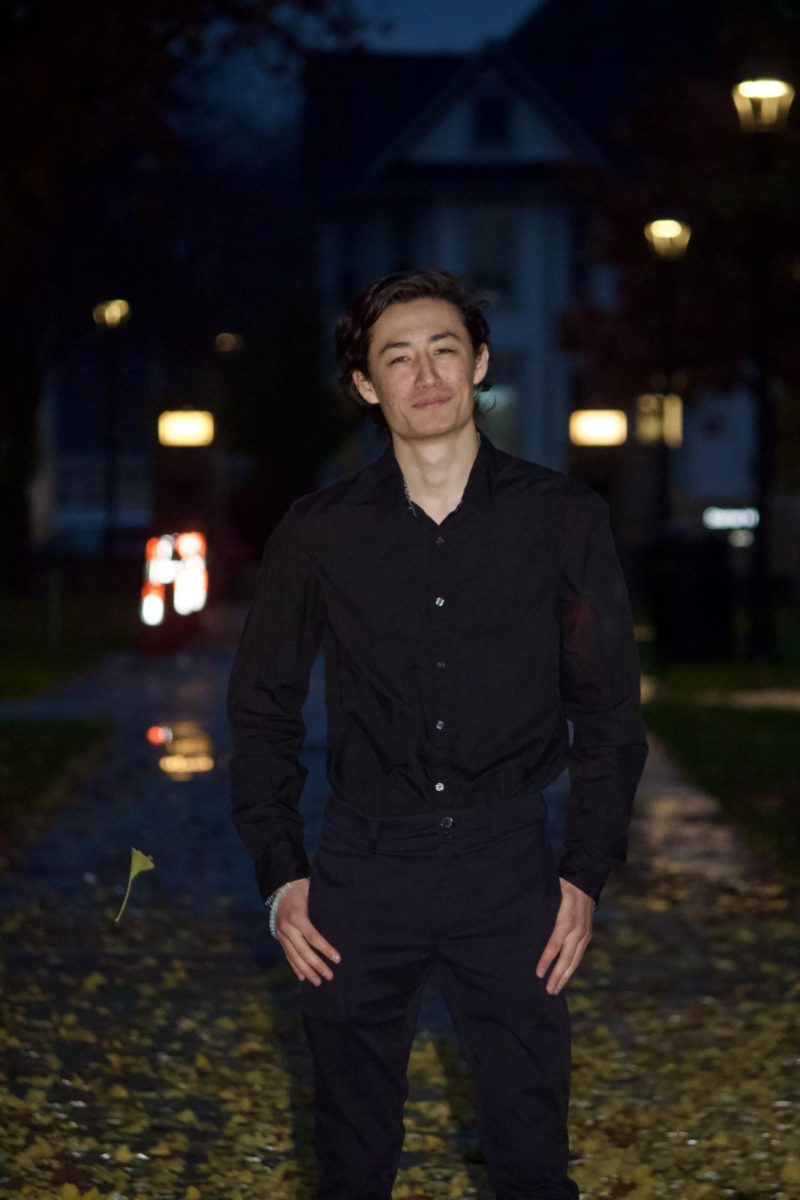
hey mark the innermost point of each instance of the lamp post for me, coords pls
(109, 315)
(762, 105)
(669, 241)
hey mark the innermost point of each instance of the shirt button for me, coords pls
(439, 601)
(446, 823)
(440, 724)
(439, 787)
(440, 540)
(440, 664)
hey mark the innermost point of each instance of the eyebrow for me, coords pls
(435, 337)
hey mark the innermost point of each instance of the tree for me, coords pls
(88, 91)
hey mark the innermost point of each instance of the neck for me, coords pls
(436, 470)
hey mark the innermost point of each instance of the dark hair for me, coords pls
(354, 327)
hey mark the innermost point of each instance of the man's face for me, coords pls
(422, 369)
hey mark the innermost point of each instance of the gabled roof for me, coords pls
(495, 57)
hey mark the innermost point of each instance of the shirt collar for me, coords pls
(477, 493)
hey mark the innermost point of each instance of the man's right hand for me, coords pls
(302, 943)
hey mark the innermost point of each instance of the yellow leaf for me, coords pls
(69, 1192)
(123, 1154)
(139, 862)
(187, 1117)
(201, 1062)
(791, 1171)
(193, 1193)
(118, 1092)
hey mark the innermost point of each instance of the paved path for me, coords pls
(161, 1057)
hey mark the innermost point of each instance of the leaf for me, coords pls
(139, 862)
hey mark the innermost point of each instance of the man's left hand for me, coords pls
(571, 935)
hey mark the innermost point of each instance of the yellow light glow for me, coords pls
(185, 764)
(111, 312)
(764, 89)
(762, 104)
(668, 237)
(228, 343)
(673, 420)
(659, 418)
(598, 427)
(185, 427)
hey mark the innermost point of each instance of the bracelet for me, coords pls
(272, 903)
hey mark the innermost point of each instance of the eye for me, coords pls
(400, 359)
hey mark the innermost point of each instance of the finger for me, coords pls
(301, 969)
(307, 953)
(315, 938)
(551, 950)
(568, 962)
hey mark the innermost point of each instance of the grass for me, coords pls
(36, 757)
(41, 645)
(748, 758)
(685, 680)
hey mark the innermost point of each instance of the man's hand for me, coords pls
(571, 935)
(300, 939)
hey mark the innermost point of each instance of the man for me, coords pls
(470, 607)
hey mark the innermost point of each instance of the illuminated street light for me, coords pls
(186, 427)
(762, 104)
(668, 237)
(598, 427)
(228, 343)
(111, 313)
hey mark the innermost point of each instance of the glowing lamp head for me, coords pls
(669, 238)
(111, 313)
(186, 427)
(598, 427)
(762, 104)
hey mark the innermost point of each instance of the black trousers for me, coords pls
(475, 894)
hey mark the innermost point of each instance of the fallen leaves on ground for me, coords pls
(180, 1073)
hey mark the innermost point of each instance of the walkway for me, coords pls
(162, 1057)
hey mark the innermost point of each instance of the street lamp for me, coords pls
(762, 105)
(109, 315)
(669, 238)
(669, 241)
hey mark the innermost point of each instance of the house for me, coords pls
(462, 164)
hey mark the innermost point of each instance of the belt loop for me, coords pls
(373, 834)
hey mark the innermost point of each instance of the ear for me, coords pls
(481, 364)
(363, 386)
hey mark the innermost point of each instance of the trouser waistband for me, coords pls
(490, 816)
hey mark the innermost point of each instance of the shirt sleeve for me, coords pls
(267, 690)
(600, 693)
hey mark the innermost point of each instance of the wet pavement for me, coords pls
(162, 1057)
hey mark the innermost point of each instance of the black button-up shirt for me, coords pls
(455, 656)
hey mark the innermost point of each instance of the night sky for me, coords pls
(421, 25)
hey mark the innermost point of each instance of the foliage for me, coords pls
(90, 144)
(139, 862)
(686, 157)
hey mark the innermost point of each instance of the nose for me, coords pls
(425, 370)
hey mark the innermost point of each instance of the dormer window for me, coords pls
(491, 121)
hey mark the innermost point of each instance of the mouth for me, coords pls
(430, 402)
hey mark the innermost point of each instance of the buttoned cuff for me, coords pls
(280, 863)
(585, 871)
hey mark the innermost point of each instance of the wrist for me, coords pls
(274, 900)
